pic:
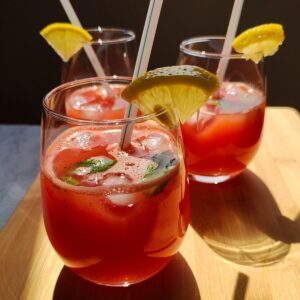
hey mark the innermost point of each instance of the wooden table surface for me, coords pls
(243, 241)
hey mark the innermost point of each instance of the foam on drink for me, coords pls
(77, 151)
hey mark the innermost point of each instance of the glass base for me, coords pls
(213, 179)
(97, 274)
(259, 253)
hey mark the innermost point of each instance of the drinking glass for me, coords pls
(114, 47)
(116, 51)
(223, 136)
(115, 216)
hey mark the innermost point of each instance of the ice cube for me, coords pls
(92, 107)
(81, 171)
(115, 179)
(122, 199)
(77, 101)
(119, 103)
(154, 141)
(92, 179)
(83, 140)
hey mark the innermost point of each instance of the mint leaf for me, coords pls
(150, 169)
(102, 165)
(86, 163)
(165, 160)
(97, 164)
(71, 180)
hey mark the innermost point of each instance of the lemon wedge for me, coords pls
(260, 41)
(183, 87)
(66, 39)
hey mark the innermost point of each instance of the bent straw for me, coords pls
(141, 64)
(88, 48)
(230, 34)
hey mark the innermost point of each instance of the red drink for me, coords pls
(224, 136)
(96, 103)
(115, 217)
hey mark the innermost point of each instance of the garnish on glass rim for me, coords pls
(66, 39)
(183, 87)
(260, 41)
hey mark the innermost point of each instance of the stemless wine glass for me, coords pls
(115, 49)
(224, 135)
(115, 216)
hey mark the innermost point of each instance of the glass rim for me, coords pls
(105, 122)
(206, 54)
(129, 35)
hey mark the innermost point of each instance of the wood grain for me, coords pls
(243, 241)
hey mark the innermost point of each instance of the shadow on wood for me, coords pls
(241, 221)
(176, 281)
(240, 287)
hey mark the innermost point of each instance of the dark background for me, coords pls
(30, 68)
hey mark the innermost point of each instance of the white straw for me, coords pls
(88, 48)
(231, 32)
(142, 61)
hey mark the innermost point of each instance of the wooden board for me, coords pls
(243, 241)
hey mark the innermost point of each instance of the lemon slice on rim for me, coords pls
(260, 41)
(66, 39)
(183, 87)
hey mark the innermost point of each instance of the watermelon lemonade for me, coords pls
(224, 135)
(114, 216)
(222, 138)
